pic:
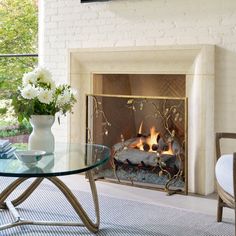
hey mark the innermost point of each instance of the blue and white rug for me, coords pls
(118, 217)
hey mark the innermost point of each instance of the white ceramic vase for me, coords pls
(42, 137)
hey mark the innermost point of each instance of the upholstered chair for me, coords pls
(225, 171)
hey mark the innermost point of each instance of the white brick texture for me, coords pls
(70, 24)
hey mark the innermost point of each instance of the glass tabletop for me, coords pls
(67, 159)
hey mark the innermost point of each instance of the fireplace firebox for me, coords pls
(147, 136)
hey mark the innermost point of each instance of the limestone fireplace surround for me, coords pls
(194, 61)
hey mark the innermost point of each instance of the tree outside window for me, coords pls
(18, 36)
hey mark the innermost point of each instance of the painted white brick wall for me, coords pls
(70, 24)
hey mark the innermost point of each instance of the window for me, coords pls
(18, 54)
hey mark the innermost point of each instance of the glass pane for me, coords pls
(67, 159)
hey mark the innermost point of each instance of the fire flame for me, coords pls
(139, 145)
(169, 151)
(151, 141)
(153, 137)
(140, 128)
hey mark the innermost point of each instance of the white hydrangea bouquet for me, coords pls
(39, 95)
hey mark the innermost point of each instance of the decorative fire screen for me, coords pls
(147, 136)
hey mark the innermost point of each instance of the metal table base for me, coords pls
(86, 221)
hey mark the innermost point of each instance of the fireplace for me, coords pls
(195, 63)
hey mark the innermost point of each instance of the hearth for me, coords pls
(147, 136)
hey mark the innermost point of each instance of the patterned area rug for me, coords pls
(118, 217)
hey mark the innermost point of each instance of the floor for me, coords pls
(206, 205)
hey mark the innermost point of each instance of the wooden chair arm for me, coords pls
(219, 136)
(234, 176)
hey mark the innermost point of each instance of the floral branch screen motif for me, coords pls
(148, 138)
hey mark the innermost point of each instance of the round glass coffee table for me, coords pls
(67, 159)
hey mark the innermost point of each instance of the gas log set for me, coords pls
(153, 152)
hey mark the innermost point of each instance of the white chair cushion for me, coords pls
(224, 173)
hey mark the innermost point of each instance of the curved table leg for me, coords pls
(27, 192)
(87, 222)
(10, 188)
(93, 227)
